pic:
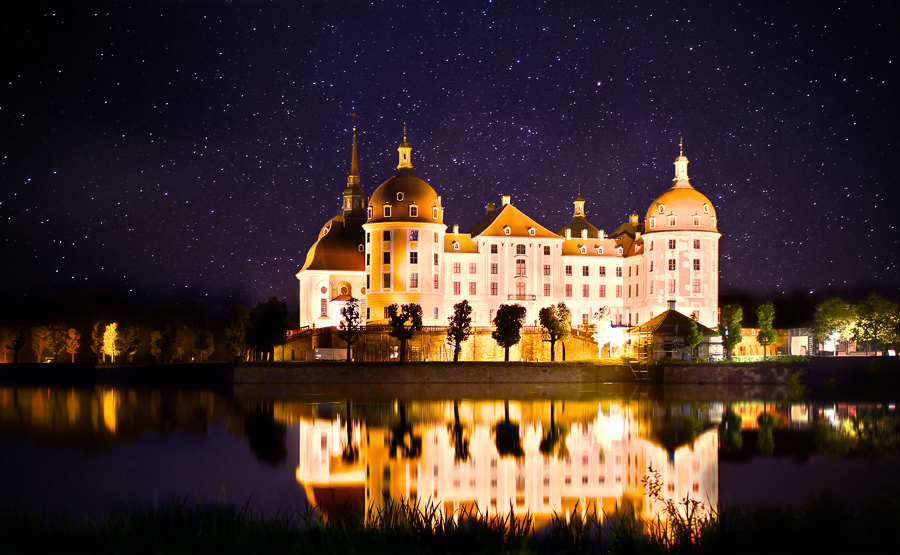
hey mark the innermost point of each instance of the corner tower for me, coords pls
(404, 236)
(681, 251)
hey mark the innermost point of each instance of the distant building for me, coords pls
(395, 248)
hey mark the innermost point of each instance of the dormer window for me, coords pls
(369, 212)
(599, 250)
(434, 213)
(387, 210)
(325, 230)
(531, 231)
(713, 222)
(413, 211)
(672, 221)
(456, 245)
(361, 248)
(662, 208)
(506, 230)
(399, 196)
(582, 249)
(652, 222)
(696, 221)
(619, 250)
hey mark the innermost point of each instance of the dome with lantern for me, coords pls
(681, 208)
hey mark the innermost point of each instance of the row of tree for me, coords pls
(874, 320)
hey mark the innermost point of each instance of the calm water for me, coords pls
(87, 449)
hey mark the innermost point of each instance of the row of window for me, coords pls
(672, 220)
(674, 243)
(387, 210)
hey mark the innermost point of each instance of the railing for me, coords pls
(521, 297)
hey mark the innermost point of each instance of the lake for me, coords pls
(85, 450)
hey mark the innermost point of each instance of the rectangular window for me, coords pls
(696, 221)
(386, 234)
(414, 280)
(435, 259)
(651, 287)
(413, 234)
(413, 211)
(368, 281)
(386, 313)
(386, 280)
(696, 287)
(472, 288)
(387, 211)
(629, 271)
(651, 245)
(696, 243)
(457, 288)
(472, 267)
(568, 290)
(368, 237)
(493, 249)
(546, 269)
(368, 313)
(671, 286)
(457, 268)
(619, 271)
(671, 243)
(386, 257)
(602, 271)
(546, 289)
(603, 291)
(637, 289)
(493, 268)
(435, 313)
(618, 291)
(637, 270)
(696, 264)
(671, 264)
(437, 282)
(494, 288)
(629, 291)
(324, 307)
(585, 272)
(413, 257)
(368, 259)
(435, 236)
(520, 249)
(651, 266)
(585, 290)
(520, 267)
(546, 251)
(568, 270)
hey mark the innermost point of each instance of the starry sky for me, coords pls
(174, 150)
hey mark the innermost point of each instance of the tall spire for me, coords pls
(681, 163)
(405, 150)
(353, 176)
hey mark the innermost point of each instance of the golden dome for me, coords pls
(681, 208)
(409, 199)
(339, 247)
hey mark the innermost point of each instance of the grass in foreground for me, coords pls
(824, 525)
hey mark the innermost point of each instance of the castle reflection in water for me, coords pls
(538, 456)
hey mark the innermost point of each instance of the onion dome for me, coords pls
(405, 197)
(681, 208)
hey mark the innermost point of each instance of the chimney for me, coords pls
(456, 231)
(490, 207)
(584, 234)
(601, 234)
(568, 233)
(671, 304)
(634, 218)
(505, 199)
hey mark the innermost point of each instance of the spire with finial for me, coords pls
(681, 163)
(353, 176)
(405, 150)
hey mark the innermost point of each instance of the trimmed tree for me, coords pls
(351, 322)
(97, 340)
(404, 321)
(268, 326)
(40, 340)
(730, 327)
(556, 321)
(834, 319)
(766, 335)
(692, 336)
(460, 326)
(73, 342)
(508, 326)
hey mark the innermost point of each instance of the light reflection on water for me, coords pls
(84, 449)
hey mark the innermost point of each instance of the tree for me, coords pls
(73, 342)
(403, 439)
(835, 320)
(404, 321)
(236, 334)
(15, 339)
(766, 335)
(876, 320)
(506, 435)
(459, 436)
(603, 330)
(110, 334)
(351, 322)
(460, 326)
(127, 339)
(162, 342)
(556, 321)
(508, 326)
(730, 327)
(692, 336)
(97, 340)
(40, 340)
(58, 334)
(204, 344)
(267, 328)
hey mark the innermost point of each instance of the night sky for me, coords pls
(174, 150)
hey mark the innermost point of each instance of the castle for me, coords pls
(395, 248)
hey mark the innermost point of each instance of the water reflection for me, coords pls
(538, 456)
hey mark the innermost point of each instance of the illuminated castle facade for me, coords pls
(395, 248)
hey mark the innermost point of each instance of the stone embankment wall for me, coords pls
(736, 374)
(432, 372)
